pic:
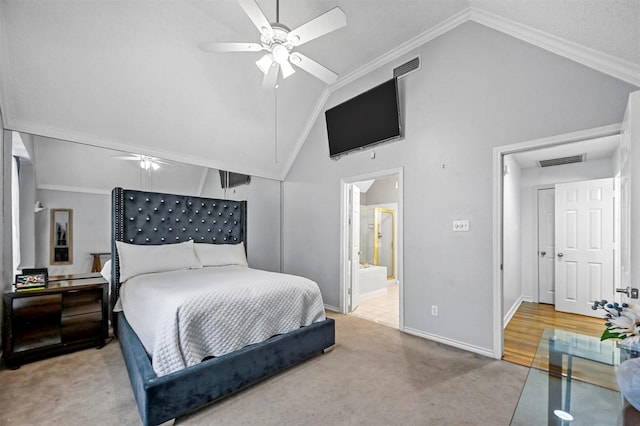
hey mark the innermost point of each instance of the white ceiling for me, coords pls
(128, 74)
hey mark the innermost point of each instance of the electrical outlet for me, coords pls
(461, 225)
(634, 293)
(434, 310)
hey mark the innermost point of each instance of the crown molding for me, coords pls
(619, 68)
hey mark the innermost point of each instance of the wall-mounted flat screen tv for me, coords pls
(367, 119)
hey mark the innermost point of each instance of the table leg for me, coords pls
(555, 383)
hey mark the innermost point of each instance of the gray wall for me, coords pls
(477, 89)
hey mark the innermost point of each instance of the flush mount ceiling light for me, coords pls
(279, 41)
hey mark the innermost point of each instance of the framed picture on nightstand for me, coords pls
(32, 279)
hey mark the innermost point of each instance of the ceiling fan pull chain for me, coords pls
(275, 139)
(277, 10)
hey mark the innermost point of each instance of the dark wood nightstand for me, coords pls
(71, 313)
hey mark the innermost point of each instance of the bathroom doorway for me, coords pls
(372, 265)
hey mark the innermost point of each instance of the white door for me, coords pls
(355, 246)
(584, 245)
(546, 244)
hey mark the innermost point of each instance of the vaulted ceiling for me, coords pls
(128, 75)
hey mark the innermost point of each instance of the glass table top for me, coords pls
(572, 381)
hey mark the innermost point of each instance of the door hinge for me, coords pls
(349, 290)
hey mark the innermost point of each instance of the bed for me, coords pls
(142, 218)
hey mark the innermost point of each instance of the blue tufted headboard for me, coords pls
(140, 217)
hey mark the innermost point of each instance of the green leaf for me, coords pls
(606, 334)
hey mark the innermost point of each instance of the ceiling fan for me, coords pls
(146, 162)
(279, 43)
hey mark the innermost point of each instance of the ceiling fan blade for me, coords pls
(323, 24)
(269, 80)
(229, 47)
(256, 15)
(313, 68)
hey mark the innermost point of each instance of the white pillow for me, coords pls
(221, 254)
(106, 270)
(143, 259)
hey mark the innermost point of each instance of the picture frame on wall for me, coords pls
(61, 228)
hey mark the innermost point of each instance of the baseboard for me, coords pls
(512, 312)
(528, 299)
(332, 308)
(450, 342)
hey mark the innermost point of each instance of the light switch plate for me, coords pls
(461, 225)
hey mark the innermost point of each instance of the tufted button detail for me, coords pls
(231, 214)
(177, 201)
(184, 229)
(219, 213)
(139, 230)
(131, 240)
(225, 206)
(184, 211)
(139, 209)
(170, 210)
(147, 239)
(209, 230)
(202, 238)
(189, 202)
(162, 219)
(162, 201)
(190, 220)
(131, 219)
(225, 238)
(202, 204)
(155, 209)
(131, 198)
(177, 238)
(148, 218)
(225, 222)
(219, 230)
(170, 229)
(214, 238)
(208, 212)
(215, 221)
(162, 238)
(196, 229)
(148, 199)
(177, 219)
(155, 229)
(202, 220)
(214, 204)
(235, 239)
(197, 211)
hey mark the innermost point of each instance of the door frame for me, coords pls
(344, 236)
(536, 249)
(498, 195)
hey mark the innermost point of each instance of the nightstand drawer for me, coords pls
(81, 326)
(36, 308)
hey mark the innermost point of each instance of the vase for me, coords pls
(628, 376)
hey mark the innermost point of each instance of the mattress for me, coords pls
(182, 317)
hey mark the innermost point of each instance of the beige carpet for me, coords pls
(375, 376)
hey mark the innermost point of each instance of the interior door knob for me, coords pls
(560, 254)
(542, 253)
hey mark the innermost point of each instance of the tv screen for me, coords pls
(370, 118)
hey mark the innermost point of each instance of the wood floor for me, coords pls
(522, 335)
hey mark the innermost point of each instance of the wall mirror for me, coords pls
(62, 175)
(61, 247)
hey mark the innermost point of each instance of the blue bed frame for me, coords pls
(140, 217)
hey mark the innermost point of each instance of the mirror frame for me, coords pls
(53, 240)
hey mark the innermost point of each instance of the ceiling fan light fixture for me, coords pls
(280, 54)
(287, 69)
(265, 63)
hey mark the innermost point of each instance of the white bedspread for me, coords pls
(184, 316)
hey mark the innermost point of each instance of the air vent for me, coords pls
(407, 67)
(562, 161)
